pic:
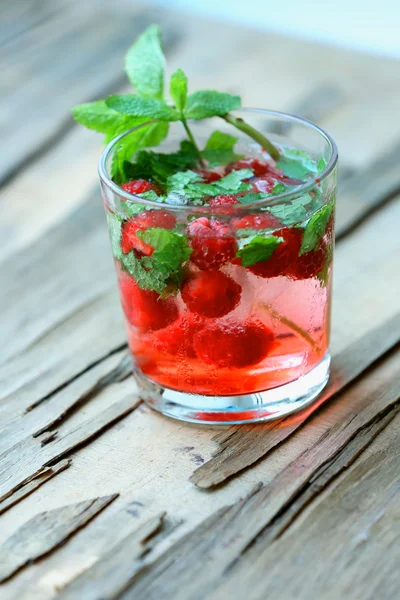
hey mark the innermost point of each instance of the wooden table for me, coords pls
(99, 496)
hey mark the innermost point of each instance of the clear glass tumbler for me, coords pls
(260, 348)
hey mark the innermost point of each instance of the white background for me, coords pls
(369, 25)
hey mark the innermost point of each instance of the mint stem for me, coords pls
(191, 138)
(292, 325)
(254, 134)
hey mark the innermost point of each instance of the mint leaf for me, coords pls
(170, 249)
(145, 64)
(279, 188)
(209, 103)
(252, 197)
(296, 164)
(178, 89)
(159, 166)
(315, 229)
(132, 208)
(150, 135)
(99, 117)
(180, 180)
(232, 181)
(321, 165)
(292, 212)
(129, 104)
(114, 229)
(145, 277)
(260, 248)
(164, 268)
(219, 149)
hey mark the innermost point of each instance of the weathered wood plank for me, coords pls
(240, 447)
(347, 540)
(41, 416)
(223, 538)
(46, 531)
(365, 191)
(111, 575)
(28, 458)
(87, 36)
(34, 484)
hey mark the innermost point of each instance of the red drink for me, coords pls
(224, 275)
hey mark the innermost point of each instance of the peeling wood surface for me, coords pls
(46, 531)
(66, 396)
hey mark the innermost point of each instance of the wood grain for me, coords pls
(242, 446)
(111, 575)
(28, 458)
(34, 484)
(223, 539)
(346, 545)
(43, 415)
(46, 531)
(365, 191)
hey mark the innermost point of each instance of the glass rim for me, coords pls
(298, 190)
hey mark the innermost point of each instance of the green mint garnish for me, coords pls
(114, 229)
(188, 183)
(258, 249)
(145, 64)
(145, 67)
(252, 197)
(178, 90)
(321, 165)
(279, 188)
(297, 164)
(315, 229)
(164, 268)
(292, 212)
(219, 149)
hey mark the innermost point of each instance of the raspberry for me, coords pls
(236, 346)
(262, 221)
(283, 256)
(212, 243)
(224, 200)
(143, 308)
(177, 338)
(310, 264)
(211, 294)
(138, 186)
(260, 168)
(145, 220)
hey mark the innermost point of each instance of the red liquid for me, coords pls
(296, 312)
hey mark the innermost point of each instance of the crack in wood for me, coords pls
(24, 461)
(243, 446)
(204, 558)
(24, 490)
(45, 532)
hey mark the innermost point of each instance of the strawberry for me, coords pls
(145, 220)
(143, 308)
(138, 186)
(211, 294)
(177, 338)
(235, 346)
(212, 243)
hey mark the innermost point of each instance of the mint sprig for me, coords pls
(145, 67)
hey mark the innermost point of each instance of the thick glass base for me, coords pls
(233, 410)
